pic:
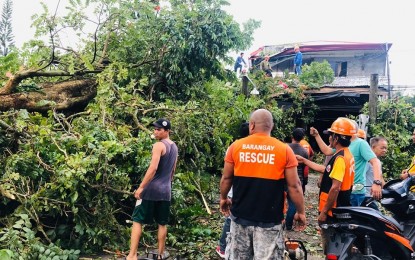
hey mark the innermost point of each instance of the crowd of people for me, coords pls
(351, 172)
(261, 175)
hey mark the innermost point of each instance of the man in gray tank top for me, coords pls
(154, 193)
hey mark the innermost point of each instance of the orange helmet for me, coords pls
(361, 133)
(343, 126)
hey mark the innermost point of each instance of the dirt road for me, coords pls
(310, 236)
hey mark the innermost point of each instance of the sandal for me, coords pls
(164, 256)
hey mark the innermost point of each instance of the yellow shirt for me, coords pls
(411, 168)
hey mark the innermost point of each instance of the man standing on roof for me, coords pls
(266, 67)
(238, 63)
(298, 60)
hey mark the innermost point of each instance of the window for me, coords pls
(341, 69)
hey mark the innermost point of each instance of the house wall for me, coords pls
(360, 66)
(358, 63)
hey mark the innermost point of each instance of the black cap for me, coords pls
(162, 123)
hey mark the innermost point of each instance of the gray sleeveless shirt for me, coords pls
(159, 188)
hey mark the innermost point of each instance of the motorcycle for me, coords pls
(365, 233)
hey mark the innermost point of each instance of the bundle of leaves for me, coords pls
(395, 121)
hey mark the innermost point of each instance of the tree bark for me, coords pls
(61, 96)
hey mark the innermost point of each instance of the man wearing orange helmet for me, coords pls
(362, 154)
(338, 174)
(361, 134)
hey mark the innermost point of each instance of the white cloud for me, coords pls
(326, 20)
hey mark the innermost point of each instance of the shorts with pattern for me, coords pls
(149, 211)
(252, 242)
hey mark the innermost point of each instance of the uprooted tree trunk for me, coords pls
(64, 95)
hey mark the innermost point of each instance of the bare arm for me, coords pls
(174, 170)
(376, 190)
(152, 168)
(225, 186)
(327, 150)
(316, 167)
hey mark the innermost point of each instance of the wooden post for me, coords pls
(245, 85)
(373, 97)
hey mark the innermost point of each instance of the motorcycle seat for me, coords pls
(373, 213)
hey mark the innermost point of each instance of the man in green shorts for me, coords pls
(154, 193)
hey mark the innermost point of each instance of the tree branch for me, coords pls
(106, 187)
(8, 127)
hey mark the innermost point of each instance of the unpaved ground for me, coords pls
(310, 236)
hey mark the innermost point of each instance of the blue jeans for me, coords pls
(225, 230)
(356, 199)
(236, 67)
(298, 70)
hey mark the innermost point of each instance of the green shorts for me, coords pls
(150, 210)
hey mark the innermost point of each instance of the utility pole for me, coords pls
(245, 85)
(373, 97)
(388, 72)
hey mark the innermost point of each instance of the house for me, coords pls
(353, 64)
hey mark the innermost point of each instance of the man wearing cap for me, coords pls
(362, 154)
(258, 166)
(154, 193)
(337, 180)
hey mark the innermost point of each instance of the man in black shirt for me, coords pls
(298, 149)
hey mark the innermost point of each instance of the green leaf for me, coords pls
(6, 254)
(74, 197)
(17, 226)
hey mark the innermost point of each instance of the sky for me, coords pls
(373, 21)
(326, 20)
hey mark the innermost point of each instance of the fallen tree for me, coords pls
(64, 95)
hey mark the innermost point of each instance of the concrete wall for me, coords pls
(358, 63)
(365, 66)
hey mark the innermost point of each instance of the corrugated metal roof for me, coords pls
(319, 46)
(356, 81)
